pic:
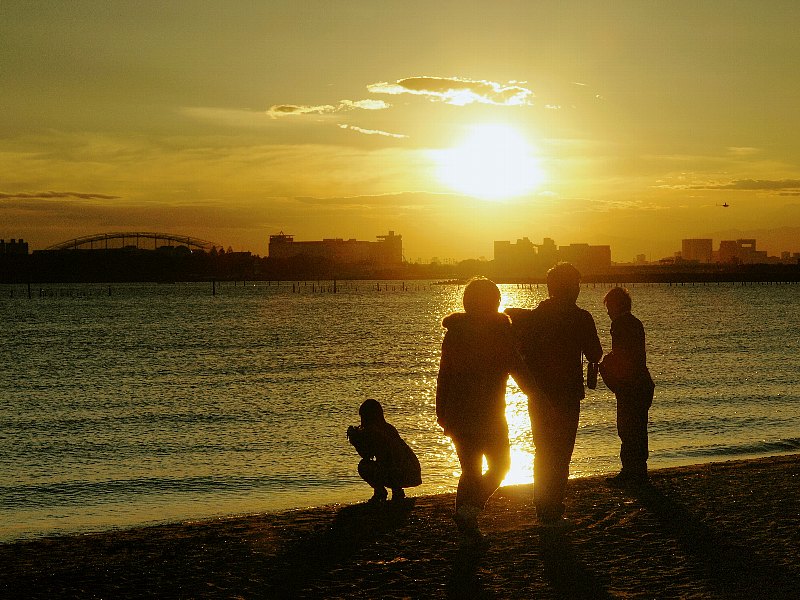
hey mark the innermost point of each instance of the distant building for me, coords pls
(742, 252)
(519, 259)
(387, 251)
(548, 253)
(525, 259)
(13, 247)
(587, 258)
(697, 250)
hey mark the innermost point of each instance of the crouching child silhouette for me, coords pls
(387, 461)
(624, 371)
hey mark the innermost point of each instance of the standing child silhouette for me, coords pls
(624, 371)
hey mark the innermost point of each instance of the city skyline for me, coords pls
(630, 124)
(701, 250)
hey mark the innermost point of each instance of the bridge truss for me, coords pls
(137, 239)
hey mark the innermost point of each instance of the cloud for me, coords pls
(283, 110)
(44, 195)
(457, 90)
(367, 104)
(391, 199)
(372, 131)
(743, 150)
(791, 185)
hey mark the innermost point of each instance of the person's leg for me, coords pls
(565, 431)
(543, 459)
(373, 475)
(470, 457)
(632, 430)
(498, 460)
(554, 434)
(468, 494)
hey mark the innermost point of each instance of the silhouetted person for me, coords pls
(387, 460)
(478, 355)
(624, 371)
(553, 338)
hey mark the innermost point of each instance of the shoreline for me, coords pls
(712, 530)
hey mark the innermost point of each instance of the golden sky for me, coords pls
(454, 124)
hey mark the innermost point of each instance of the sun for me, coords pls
(492, 162)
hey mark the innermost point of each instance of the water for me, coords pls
(165, 402)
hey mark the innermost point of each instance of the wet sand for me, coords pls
(718, 530)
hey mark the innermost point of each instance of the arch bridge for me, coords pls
(100, 241)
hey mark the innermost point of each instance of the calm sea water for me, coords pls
(165, 402)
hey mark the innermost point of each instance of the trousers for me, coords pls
(554, 426)
(632, 414)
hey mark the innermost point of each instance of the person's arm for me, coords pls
(592, 349)
(444, 385)
(518, 368)
(360, 440)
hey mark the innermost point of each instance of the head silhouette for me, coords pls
(371, 412)
(564, 282)
(481, 295)
(617, 301)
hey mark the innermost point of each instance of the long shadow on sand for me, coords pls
(569, 577)
(465, 579)
(353, 528)
(733, 569)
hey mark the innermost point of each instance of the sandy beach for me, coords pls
(717, 530)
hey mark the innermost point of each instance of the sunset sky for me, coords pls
(454, 124)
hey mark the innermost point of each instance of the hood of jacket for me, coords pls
(460, 320)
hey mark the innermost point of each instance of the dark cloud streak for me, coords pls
(55, 195)
(754, 185)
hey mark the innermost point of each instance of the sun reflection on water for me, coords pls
(519, 434)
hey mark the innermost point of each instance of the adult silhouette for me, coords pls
(478, 354)
(553, 338)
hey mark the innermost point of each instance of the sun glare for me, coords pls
(493, 162)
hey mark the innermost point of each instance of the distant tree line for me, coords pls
(170, 264)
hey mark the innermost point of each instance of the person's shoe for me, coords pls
(471, 537)
(400, 500)
(466, 518)
(379, 497)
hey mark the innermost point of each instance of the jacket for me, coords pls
(624, 369)
(553, 338)
(382, 442)
(478, 355)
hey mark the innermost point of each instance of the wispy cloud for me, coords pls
(772, 185)
(743, 150)
(372, 131)
(277, 111)
(396, 199)
(457, 90)
(46, 195)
